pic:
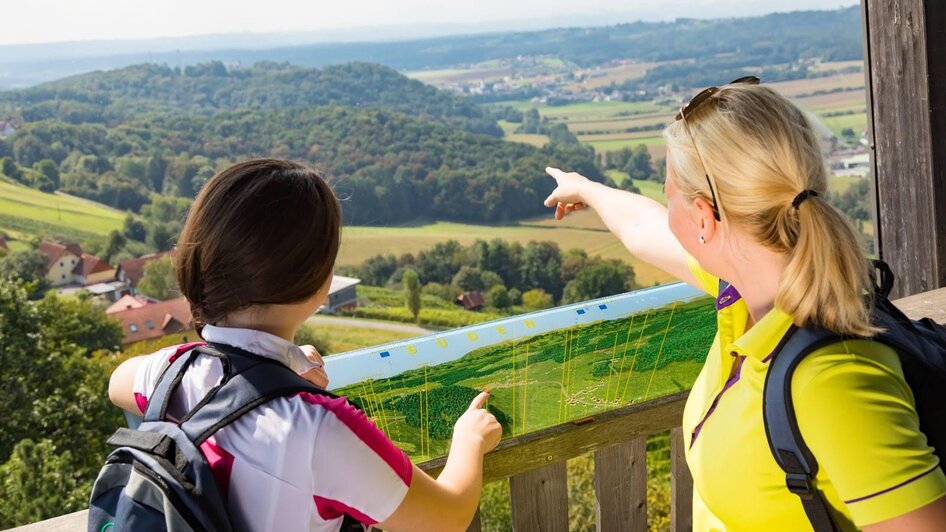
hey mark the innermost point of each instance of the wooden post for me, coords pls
(906, 73)
(621, 487)
(540, 499)
(681, 485)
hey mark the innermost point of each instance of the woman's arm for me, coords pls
(640, 223)
(450, 501)
(121, 385)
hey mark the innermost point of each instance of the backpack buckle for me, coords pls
(799, 484)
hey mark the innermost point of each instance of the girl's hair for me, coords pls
(760, 152)
(264, 231)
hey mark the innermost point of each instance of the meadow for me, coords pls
(546, 379)
(25, 211)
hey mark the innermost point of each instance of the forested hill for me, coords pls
(387, 167)
(119, 95)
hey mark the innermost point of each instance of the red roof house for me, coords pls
(132, 270)
(471, 300)
(153, 320)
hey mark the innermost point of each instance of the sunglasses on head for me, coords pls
(698, 100)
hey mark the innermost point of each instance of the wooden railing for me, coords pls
(534, 463)
(535, 466)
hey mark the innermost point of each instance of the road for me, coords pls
(369, 324)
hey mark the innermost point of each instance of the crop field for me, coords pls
(546, 379)
(28, 211)
(362, 242)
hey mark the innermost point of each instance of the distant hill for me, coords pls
(120, 95)
(755, 41)
(387, 167)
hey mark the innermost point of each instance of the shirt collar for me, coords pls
(761, 340)
(260, 343)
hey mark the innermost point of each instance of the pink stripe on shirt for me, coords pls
(331, 509)
(366, 431)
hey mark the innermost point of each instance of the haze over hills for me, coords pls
(773, 38)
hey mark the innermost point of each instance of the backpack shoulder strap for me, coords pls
(781, 426)
(252, 381)
(167, 382)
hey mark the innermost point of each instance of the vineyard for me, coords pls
(546, 379)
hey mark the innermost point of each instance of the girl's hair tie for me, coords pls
(802, 196)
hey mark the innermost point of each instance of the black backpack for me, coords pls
(921, 346)
(157, 478)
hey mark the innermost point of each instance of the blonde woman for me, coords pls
(746, 202)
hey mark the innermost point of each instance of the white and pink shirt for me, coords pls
(295, 463)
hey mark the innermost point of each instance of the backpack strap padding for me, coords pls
(781, 426)
(167, 382)
(254, 381)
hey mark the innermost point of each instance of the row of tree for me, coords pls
(537, 275)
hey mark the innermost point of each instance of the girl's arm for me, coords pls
(640, 223)
(121, 385)
(450, 501)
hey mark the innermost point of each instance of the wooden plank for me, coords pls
(681, 485)
(475, 525)
(908, 104)
(926, 305)
(540, 499)
(63, 523)
(561, 442)
(621, 487)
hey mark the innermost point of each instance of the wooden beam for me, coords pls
(540, 499)
(906, 73)
(568, 440)
(681, 485)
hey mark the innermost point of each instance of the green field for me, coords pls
(544, 380)
(362, 242)
(28, 211)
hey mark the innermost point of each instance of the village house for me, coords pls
(67, 264)
(472, 300)
(132, 270)
(342, 295)
(146, 319)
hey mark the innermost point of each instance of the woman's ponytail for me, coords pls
(827, 279)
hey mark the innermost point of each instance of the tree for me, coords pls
(134, 229)
(159, 280)
(537, 299)
(39, 481)
(376, 270)
(598, 279)
(471, 278)
(48, 175)
(54, 389)
(541, 267)
(412, 292)
(498, 297)
(28, 266)
(9, 168)
(116, 242)
(639, 165)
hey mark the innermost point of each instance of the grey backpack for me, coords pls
(157, 478)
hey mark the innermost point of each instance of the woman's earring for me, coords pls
(702, 240)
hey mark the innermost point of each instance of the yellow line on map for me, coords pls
(659, 351)
(525, 392)
(607, 394)
(637, 350)
(513, 410)
(380, 403)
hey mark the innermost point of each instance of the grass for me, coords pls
(857, 122)
(30, 211)
(620, 144)
(339, 339)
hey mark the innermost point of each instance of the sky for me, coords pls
(39, 21)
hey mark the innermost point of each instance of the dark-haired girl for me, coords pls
(255, 260)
